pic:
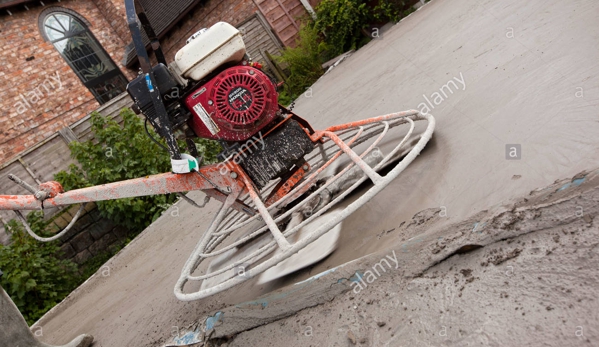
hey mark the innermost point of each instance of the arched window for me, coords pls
(84, 54)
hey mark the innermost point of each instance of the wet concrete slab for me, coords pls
(521, 274)
(530, 81)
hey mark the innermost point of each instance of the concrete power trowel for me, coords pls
(280, 182)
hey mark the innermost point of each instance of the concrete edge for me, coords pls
(479, 230)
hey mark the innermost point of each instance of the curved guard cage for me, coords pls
(275, 227)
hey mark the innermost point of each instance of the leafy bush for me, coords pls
(391, 11)
(340, 26)
(344, 21)
(304, 62)
(119, 153)
(34, 277)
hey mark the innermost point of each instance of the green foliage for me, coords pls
(34, 277)
(73, 179)
(392, 11)
(119, 153)
(304, 63)
(209, 149)
(340, 26)
(285, 98)
(344, 22)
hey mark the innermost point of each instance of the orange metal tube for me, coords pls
(167, 182)
(19, 202)
(355, 124)
(151, 185)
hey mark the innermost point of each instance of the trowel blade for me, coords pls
(312, 253)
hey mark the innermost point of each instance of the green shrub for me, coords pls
(209, 149)
(120, 153)
(391, 11)
(344, 21)
(304, 63)
(34, 277)
(340, 26)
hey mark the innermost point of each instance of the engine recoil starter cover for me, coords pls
(234, 105)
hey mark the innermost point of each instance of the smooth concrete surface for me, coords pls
(530, 77)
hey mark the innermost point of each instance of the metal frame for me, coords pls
(133, 15)
(221, 228)
(242, 202)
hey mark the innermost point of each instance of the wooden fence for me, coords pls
(284, 17)
(40, 163)
(260, 41)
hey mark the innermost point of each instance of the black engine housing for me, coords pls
(281, 150)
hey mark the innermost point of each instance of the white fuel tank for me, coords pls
(207, 50)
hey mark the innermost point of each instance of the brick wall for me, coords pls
(91, 235)
(113, 12)
(28, 62)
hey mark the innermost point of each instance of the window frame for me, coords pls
(89, 84)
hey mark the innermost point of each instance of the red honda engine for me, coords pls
(223, 99)
(234, 105)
